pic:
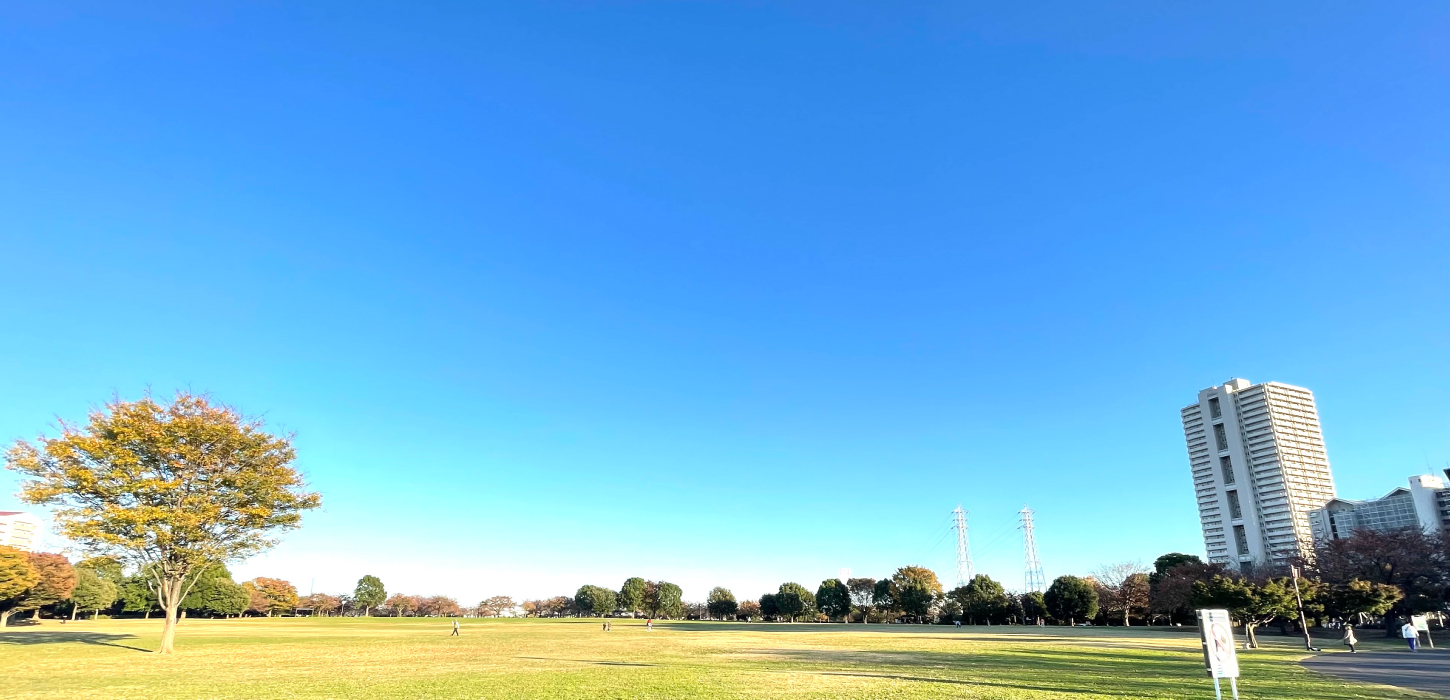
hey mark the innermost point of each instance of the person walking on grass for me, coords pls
(1349, 639)
(455, 629)
(1411, 635)
(649, 625)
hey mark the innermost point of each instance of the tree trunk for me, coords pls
(1253, 640)
(169, 595)
(1125, 618)
(73, 612)
(5, 617)
(147, 616)
(168, 631)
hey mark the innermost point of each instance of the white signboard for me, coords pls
(1420, 623)
(1219, 652)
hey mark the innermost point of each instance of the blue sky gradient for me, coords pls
(728, 294)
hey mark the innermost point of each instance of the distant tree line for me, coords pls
(1368, 578)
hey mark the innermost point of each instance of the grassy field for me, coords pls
(415, 658)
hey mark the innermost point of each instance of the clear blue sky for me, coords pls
(728, 294)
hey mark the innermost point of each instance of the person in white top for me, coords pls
(1411, 635)
(1349, 639)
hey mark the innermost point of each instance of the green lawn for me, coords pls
(493, 659)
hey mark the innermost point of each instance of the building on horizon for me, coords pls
(1259, 469)
(1424, 505)
(19, 530)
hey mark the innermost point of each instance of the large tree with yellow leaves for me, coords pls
(168, 487)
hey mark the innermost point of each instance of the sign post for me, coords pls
(1422, 624)
(1220, 655)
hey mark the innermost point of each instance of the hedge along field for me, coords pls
(573, 658)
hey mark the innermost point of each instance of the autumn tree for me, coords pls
(1408, 558)
(834, 599)
(91, 593)
(631, 595)
(749, 610)
(440, 606)
(16, 577)
(399, 604)
(915, 590)
(1122, 589)
(499, 605)
(1071, 598)
(721, 603)
(558, 606)
(167, 487)
(862, 590)
(369, 593)
(277, 596)
(54, 580)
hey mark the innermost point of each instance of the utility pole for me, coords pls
(964, 552)
(1033, 580)
(1303, 622)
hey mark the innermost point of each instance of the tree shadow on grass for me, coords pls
(95, 638)
(584, 661)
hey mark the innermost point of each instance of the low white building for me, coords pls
(19, 530)
(1425, 504)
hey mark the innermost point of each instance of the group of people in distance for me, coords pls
(1407, 630)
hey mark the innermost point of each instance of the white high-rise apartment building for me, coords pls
(1259, 468)
(19, 530)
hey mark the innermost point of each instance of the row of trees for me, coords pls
(1359, 579)
(637, 596)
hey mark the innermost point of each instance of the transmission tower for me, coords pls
(1032, 580)
(964, 552)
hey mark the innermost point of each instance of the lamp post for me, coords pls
(1299, 601)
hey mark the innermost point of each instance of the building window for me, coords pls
(1241, 539)
(1234, 510)
(1227, 466)
(1213, 409)
(1220, 437)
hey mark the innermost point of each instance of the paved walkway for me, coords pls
(1427, 670)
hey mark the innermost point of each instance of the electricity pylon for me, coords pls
(1032, 579)
(964, 552)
